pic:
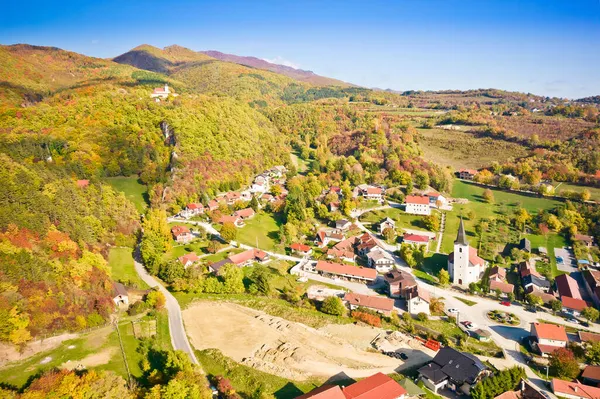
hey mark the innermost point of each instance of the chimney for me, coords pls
(575, 388)
(522, 386)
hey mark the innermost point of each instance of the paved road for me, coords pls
(179, 339)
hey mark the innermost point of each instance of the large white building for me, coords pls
(417, 204)
(464, 265)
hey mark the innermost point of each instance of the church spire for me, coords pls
(461, 238)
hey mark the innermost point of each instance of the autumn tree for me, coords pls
(590, 314)
(228, 231)
(488, 196)
(333, 305)
(563, 364)
(443, 278)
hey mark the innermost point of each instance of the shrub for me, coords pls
(367, 318)
(422, 316)
(137, 308)
(333, 306)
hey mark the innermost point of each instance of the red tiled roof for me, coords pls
(502, 286)
(336, 268)
(179, 230)
(417, 199)
(212, 204)
(300, 247)
(583, 237)
(470, 171)
(585, 336)
(573, 303)
(378, 386)
(370, 301)
(374, 190)
(415, 237)
(226, 218)
(191, 257)
(83, 183)
(567, 286)
(498, 271)
(575, 389)
(324, 392)
(245, 213)
(509, 395)
(591, 372)
(340, 253)
(195, 206)
(248, 255)
(545, 349)
(550, 331)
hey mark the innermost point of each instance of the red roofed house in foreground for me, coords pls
(377, 303)
(248, 257)
(574, 390)
(181, 234)
(417, 204)
(377, 386)
(347, 271)
(189, 259)
(301, 249)
(548, 337)
(573, 306)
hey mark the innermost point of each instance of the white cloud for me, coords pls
(282, 61)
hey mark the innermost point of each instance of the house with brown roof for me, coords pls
(574, 390)
(212, 205)
(591, 375)
(181, 234)
(236, 220)
(591, 280)
(588, 337)
(588, 241)
(120, 295)
(341, 254)
(377, 386)
(567, 286)
(188, 260)
(546, 338)
(368, 192)
(399, 284)
(418, 301)
(249, 257)
(365, 243)
(467, 174)
(417, 205)
(379, 304)
(301, 249)
(324, 237)
(363, 274)
(573, 306)
(244, 214)
(505, 288)
(497, 273)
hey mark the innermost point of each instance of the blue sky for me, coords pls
(549, 47)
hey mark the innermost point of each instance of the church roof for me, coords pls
(461, 238)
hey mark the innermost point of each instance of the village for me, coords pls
(368, 264)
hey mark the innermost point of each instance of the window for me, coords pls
(460, 250)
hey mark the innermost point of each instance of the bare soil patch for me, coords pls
(95, 359)
(10, 353)
(290, 350)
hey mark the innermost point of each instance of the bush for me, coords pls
(137, 308)
(333, 306)
(367, 318)
(422, 316)
(155, 299)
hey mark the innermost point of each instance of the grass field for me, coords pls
(595, 191)
(198, 246)
(135, 191)
(120, 261)
(550, 242)
(402, 219)
(463, 150)
(248, 381)
(301, 164)
(262, 229)
(474, 194)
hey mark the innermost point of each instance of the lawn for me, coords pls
(120, 261)
(481, 209)
(248, 381)
(595, 191)
(402, 219)
(135, 191)
(466, 301)
(301, 164)
(198, 246)
(550, 241)
(443, 327)
(261, 230)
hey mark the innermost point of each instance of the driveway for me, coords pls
(569, 264)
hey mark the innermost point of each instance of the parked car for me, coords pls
(574, 321)
(403, 356)
(452, 310)
(505, 303)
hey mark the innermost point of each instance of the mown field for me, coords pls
(120, 261)
(261, 230)
(460, 149)
(402, 219)
(135, 191)
(560, 186)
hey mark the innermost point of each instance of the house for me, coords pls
(544, 296)
(188, 260)
(526, 391)
(259, 187)
(528, 267)
(301, 249)
(418, 301)
(573, 306)
(497, 273)
(415, 239)
(212, 205)
(324, 237)
(368, 192)
(120, 296)
(588, 337)
(417, 205)
(377, 386)
(505, 288)
(161, 92)
(248, 257)
(591, 375)
(525, 245)
(464, 265)
(341, 254)
(83, 183)
(546, 338)
(217, 266)
(232, 197)
(574, 390)
(591, 280)
(236, 220)
(267, 198)
(380, 260)
(365, 243)
(532, 283)
(436, 200)
(378, 304)
(346, 271)
(386, 223)
(467, 174)
(399, 284)
(192, 209)
(342, 225)
(588, 241)
(334, 206)
(567, 286)
(181, 234)
(244, 214)
(454, 370)
(277, 171)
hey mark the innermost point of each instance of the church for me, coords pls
(464, 265)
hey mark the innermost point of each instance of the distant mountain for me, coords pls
(298, 74)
